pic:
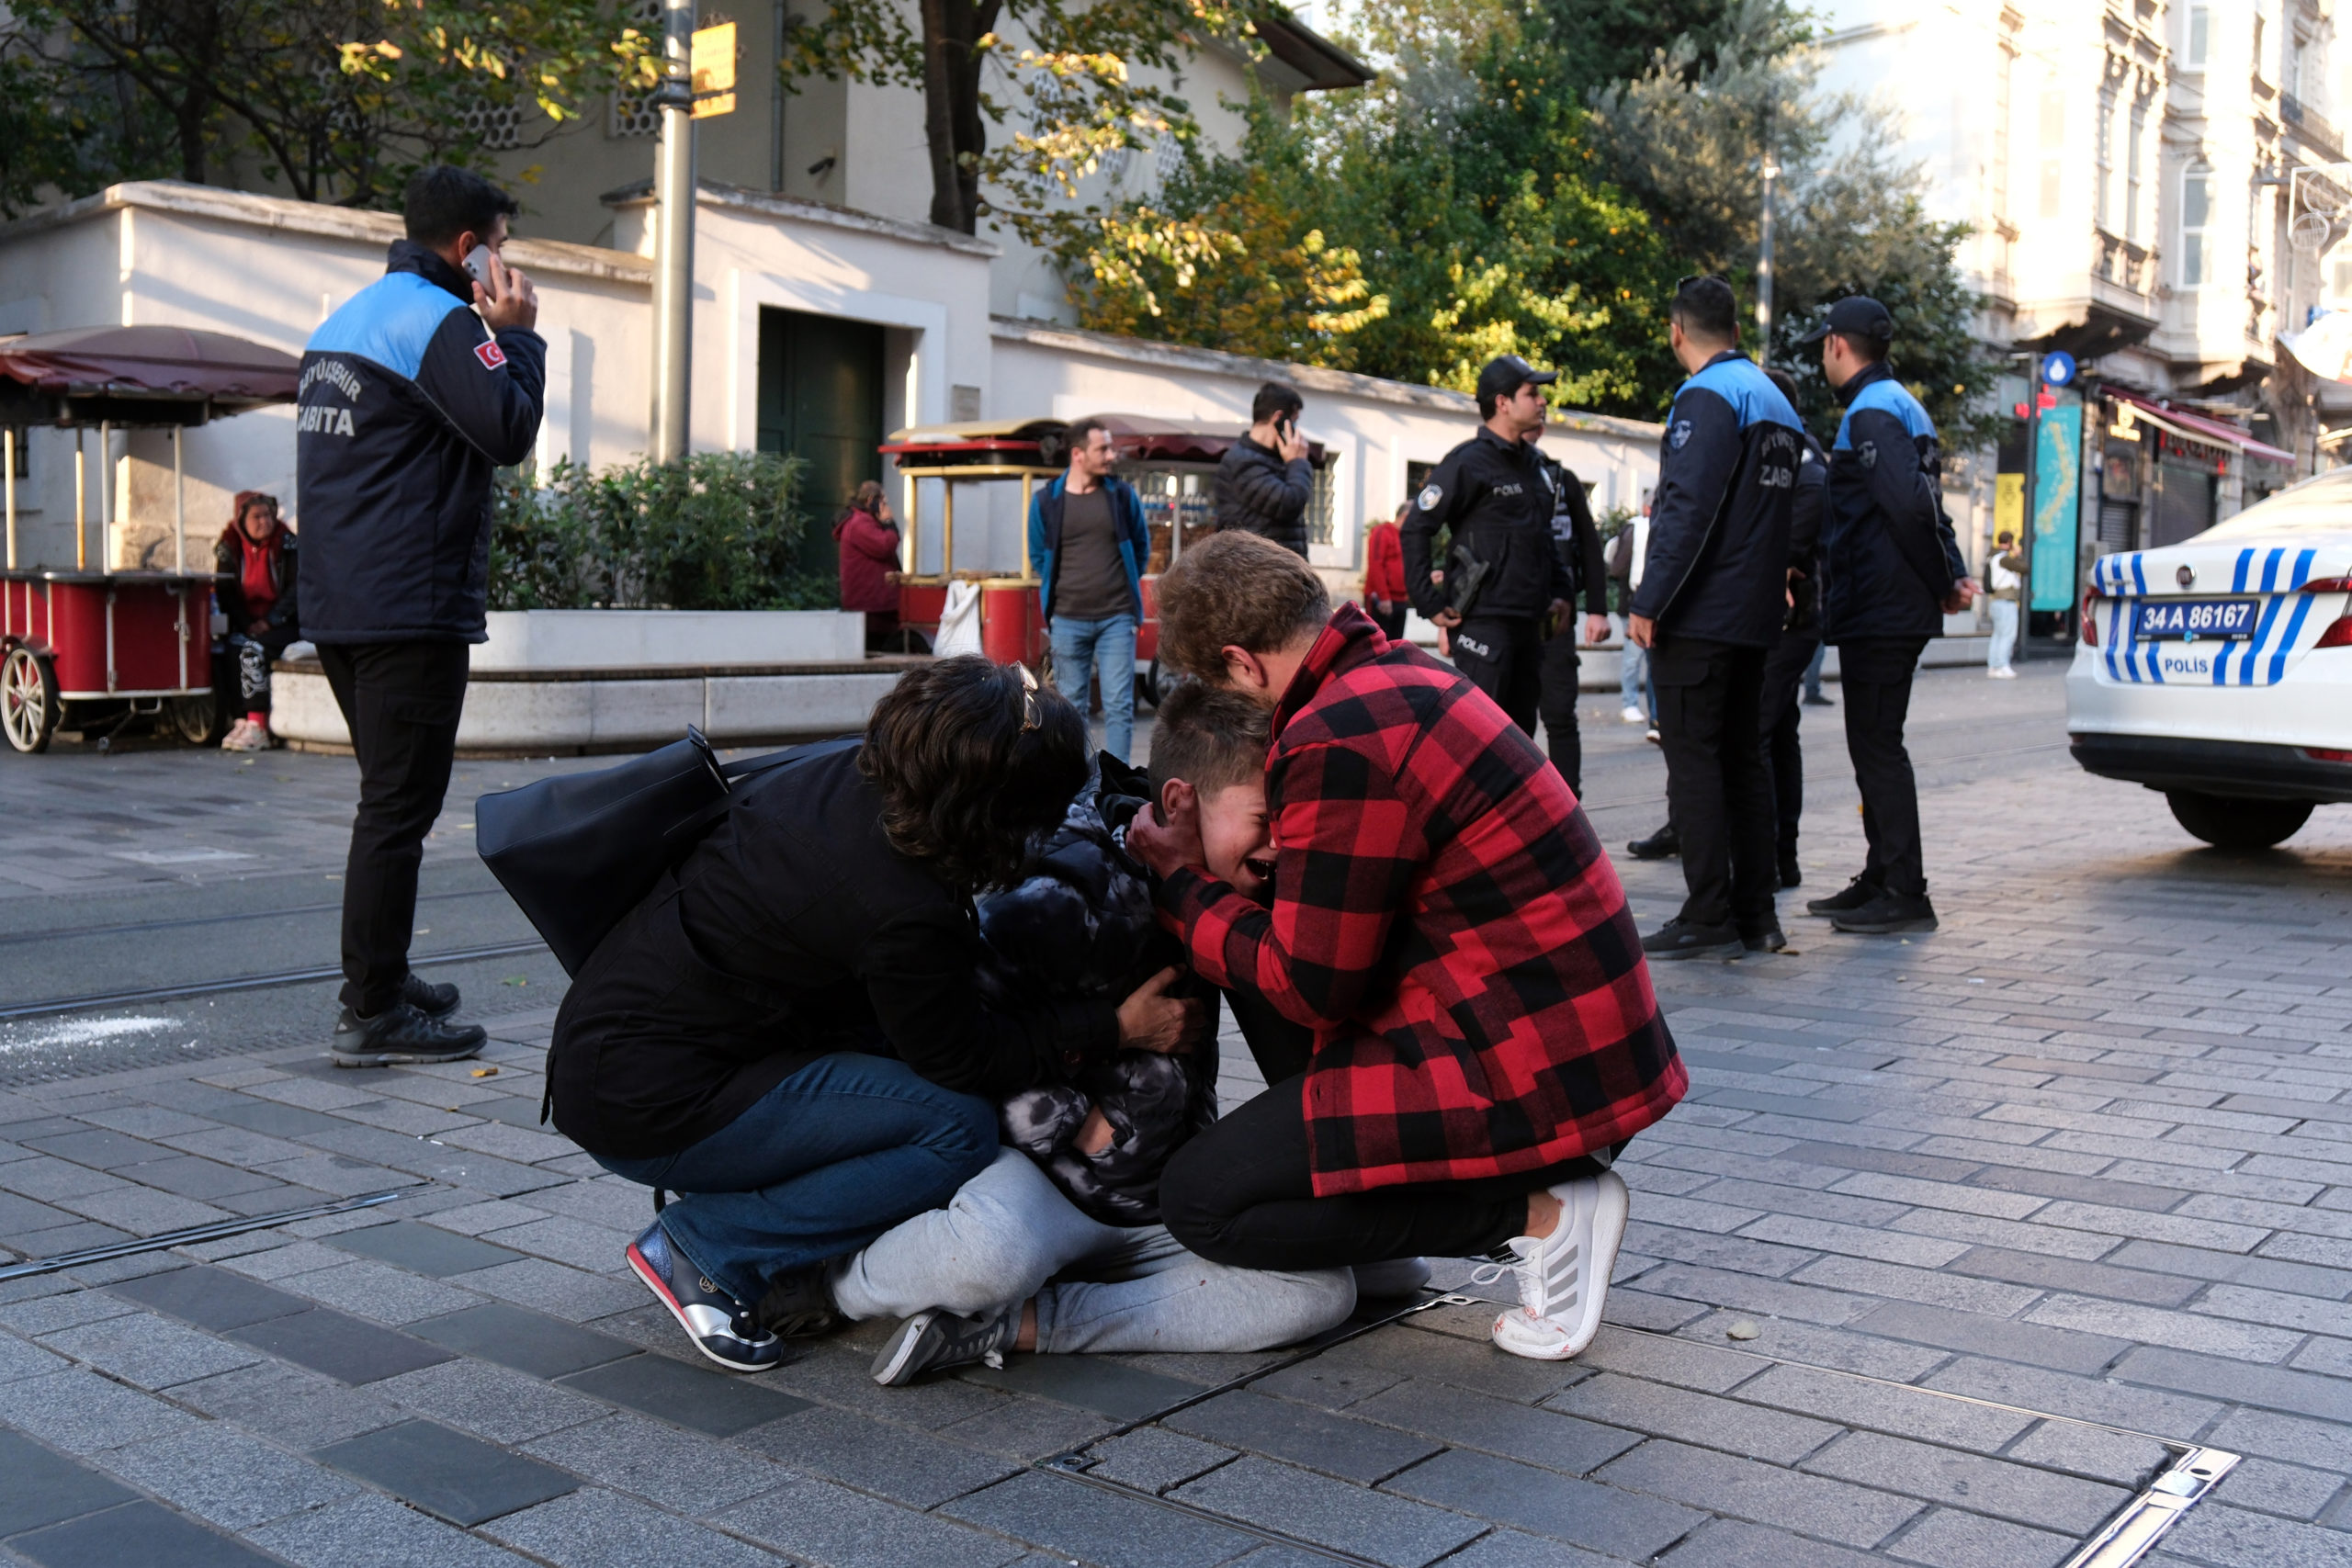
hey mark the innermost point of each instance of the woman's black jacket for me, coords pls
(794, 930)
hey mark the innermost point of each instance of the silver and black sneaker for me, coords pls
(400, 1035)
(931, 1341)
(720, 1326)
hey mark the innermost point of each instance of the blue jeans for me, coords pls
(1634, 679)
(2005, 634)
(1812, 673)
(820, 1166)
(1107, 650)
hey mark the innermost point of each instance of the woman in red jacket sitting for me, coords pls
(868, 536)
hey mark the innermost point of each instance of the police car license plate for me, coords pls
(2188, 620)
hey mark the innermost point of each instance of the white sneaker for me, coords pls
(1564, 1276)
(245, 736)
(2001, 674)
(1396, 1276)
(1633, 715)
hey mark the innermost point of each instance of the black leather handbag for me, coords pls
(577, 853)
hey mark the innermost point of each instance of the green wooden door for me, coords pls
(821, 400)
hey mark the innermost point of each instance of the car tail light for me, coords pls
(2091, 596)
(2321, 754)
(2329, 586)
(2336, 636)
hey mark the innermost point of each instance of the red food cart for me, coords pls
(92, 646)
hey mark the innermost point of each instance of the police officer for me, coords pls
(1714, 594)
(1892, 570)
(1504, 574)
(1785, 665)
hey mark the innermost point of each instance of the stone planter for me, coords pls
(645, 640)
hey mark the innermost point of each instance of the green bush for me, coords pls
(718, 531)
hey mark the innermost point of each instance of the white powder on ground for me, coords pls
(82, 1031)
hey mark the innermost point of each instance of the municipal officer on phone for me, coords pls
(1508, 582)
(1892, 570)
(1264, 481)
(412, 395)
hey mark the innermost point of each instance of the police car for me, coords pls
(2220, 670)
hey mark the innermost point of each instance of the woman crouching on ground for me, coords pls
(786, 1031)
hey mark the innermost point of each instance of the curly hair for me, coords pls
(966, 776)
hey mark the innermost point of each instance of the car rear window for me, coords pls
(2316, 506)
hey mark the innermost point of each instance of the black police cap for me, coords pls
(1507, 374)
(1858, 315)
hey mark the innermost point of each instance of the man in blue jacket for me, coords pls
(412, 395)
(1089, 545)
(1892, 570)
(1713, 596)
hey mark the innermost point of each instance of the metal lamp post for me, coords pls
(673, 237)
(1764, 266)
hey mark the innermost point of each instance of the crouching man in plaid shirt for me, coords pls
(1443, 920)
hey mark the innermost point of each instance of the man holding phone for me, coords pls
(1264, 481)
(412, 394)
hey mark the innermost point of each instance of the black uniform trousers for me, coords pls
(1875, 675)
(1784, 669)
(1718, 792)
(1507, 657)
(1559, 667)
(402, 701)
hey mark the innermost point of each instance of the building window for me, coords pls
(2132, 170)
(2200, 35)
(2196, 212)
(2106, 157)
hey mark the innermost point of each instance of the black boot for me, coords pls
(1663, 844)
(402, 1034)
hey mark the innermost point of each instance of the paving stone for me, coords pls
(1389, 1529)
(68, 1307)
(135, 1532)
(496, 1214)
(2063, 1350)
(687, 1396)
(191, 1177)
(2302, 1313)
(1302, 1435)
(1090, 1383)
(1602, 1519)
(1336, 1379)
(489, 1401)
(1660, 1411)
(1028, 1429)
(1153, 1459)
(1840, 1349)
(1537, 1437)
(1760, 1493)
(1936, 1287)
(341, 1346)
(2325, 1443)
(567, 1240)
(375, 1532)
(1972, 1482)
(1772, 1298)
(550, 1287)
(2116, 1283)
(291, 1405)
(1071, 1518)
(96, 1147)
(2153, 1326)
(527, 1341)
(423, 1249)
(81, 1412)
(2093, 1452)
(1878, 1406)
(448, 1474)
(1925, 1167)
(149, 1351)
(2214, 1532)
(223, 1475)
(681, 1471)
(908, 1467)
(1947, 1538)
(380, 1291)
(2269, 1487)
(1709, 1369)
(841, 1376)
(817, 1521)
(2272, 1388)
(209, 1297)
(1729, 1543)
(592, 1529)
(44, 1488)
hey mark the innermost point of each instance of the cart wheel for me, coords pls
(29, 705)
(197, 720)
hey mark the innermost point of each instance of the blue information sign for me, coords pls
(2058, 369)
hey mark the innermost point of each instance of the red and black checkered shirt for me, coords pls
(1445, 920)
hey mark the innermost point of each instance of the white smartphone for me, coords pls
(478, 264)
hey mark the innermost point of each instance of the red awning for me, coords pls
(2202, 427)
(1149, 438)
(139, 376)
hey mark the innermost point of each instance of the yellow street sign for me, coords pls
(713, 64)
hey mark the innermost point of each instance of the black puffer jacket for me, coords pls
(1257, 492)
(1080, 924)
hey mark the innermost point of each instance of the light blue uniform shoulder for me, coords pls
(1887, 397)
(389, 322)
(1748, 390)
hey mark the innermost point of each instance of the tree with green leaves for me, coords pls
(338, 101)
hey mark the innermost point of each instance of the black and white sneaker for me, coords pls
(432, 1000)
(931, 1341)
(401, 1035)
(720, 1326)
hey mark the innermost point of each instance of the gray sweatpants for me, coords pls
(1009, 1235)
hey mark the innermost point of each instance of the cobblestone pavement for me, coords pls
(2005, 1206)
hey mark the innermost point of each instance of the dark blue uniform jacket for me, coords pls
(1889, 559)
(408, 405)
(1718, 559)
(1497, 498)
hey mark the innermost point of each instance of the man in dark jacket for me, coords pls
(1264, 481)
(1712, 595)
(1891, 572)
(1505, 574)
(412, 395)
(1087, 542)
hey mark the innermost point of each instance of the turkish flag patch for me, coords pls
(489, 353)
